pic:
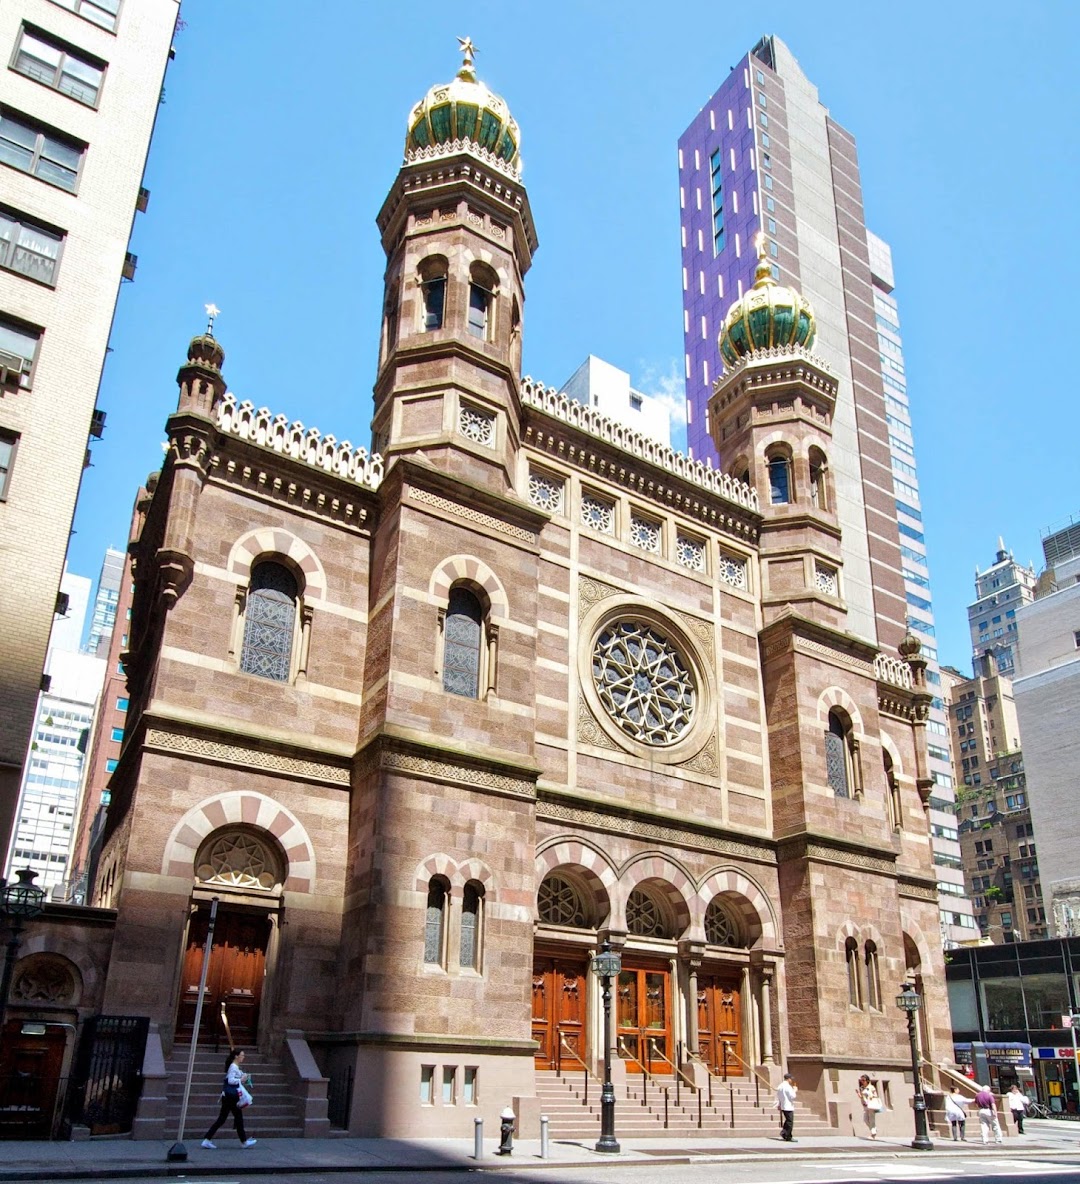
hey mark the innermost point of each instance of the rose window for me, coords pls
(238, 860)
(643, 683)
(560, 903)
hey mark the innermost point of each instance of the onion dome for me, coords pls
(464, 109)
(768, 315)
(910, 646)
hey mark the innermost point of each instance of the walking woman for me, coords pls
(871, 1103)
(956, 1113)
(235, 1077)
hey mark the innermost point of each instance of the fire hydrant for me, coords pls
(506, 1132)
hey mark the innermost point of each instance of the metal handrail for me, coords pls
(564, 1043)
(674, 1071)
(756, 1074)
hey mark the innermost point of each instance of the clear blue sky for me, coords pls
(283, 126)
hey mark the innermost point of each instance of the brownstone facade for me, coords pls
(432, 723)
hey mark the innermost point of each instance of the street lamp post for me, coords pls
(909, 1001)
(19, 902)
(606, 966)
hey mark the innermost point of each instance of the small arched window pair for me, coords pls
(273, 619)
(483, 288)
(820, 497)
(896, 813)
(781, 486)
(867, 975)
(437, 924)
(432, 276)
(842, 768)
(469, 641)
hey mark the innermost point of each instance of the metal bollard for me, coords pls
(543, 1136)
(506, 1132)
(478, 1138)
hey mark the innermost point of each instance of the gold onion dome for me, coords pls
(464, 109)
(768, 315)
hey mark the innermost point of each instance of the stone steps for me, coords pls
(274, 1114)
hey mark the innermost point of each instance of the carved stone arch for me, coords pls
(588, 866)
(661, 874)
(241, 857)
(438, 865)
(89, 971)
(848, 929)
(242, 808)
(488, 259)
(467, 569)
(837, 697)
(889, 745)
(745, 898)
(277, 544)
(46, 979)
(915, 943)
(475, 871)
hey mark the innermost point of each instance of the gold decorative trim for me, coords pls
(244, 756)
(467, 775)
(471, 515)
(640, 829)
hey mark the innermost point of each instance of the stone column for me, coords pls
(694, 1069)
(766, 1016)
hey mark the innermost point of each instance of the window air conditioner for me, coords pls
(12, 367)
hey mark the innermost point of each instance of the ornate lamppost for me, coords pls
(19, 902)
(909, 1002)
(606, 965)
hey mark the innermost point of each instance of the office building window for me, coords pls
(716, 167)
(18, 353)
(99, 12)
(118, 734)
(9, 443)
(765, 141)
(45, 154)
(121, 704)
(56, 65)
(29, 249)
(110, 765)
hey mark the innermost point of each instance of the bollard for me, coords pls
(478, 1138)
(506, 1132)
(543, 1136)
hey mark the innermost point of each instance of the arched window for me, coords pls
(873, 979)
(819, 490)
(841, 765)
(854, 981)
(721, 927)
(462, 636)
(269, 623)
(472, 903)
(435, 922)
(433, 292)
(560, 903)
(390, 317)
(483, 286)
(896, 813)
(645, 916)
(779, 478)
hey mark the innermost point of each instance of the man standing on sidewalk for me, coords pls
(785, 1103)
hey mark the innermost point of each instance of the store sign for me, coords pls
(997, 1053)
(1052, 1054)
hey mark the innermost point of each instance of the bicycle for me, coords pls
(1037, 1110)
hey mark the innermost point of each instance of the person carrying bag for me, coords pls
(236, 1080)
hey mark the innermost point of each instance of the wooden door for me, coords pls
(720, 1024)
(30, 1067)
(643, 1024)
(235, 977)
(558, 1012)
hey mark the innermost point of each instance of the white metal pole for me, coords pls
(178, 1151)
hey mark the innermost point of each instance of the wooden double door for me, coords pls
(643, 1034)
(558, 1011)
(719, 1009)
(235, 976)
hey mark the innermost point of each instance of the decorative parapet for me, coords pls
(773, 353)
(456, 148)
(894, 671)
(307, 445)
(589, 420)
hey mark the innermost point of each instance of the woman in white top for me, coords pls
(871, 1104)
(235, 1077)
(956, 1113)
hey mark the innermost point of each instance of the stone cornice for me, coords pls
(916, 887)
(465, 1045)
(593, 812)
(822, 848)
(793, 632)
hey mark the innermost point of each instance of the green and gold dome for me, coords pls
(464, 109)
(766, 316)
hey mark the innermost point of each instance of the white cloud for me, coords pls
(667, 385)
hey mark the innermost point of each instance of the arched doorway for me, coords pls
(567, 914)
(245, 869)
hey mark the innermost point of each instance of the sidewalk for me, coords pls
(100, 1158)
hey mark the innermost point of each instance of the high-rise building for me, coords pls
(606, 388)
(1047, 688)
(105, 601)
(77, 108)
(1000, 592)
(764, 157)
(993, 807)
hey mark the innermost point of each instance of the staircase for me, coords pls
(640, 1110)
(274, 1114)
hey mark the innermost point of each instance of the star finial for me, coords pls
(212, 311)
(465, 44)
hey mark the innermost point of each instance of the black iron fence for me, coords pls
(339, 1097)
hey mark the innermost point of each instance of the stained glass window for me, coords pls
(720, 927)
(560, 903)
(269, 621)
(461, 644)
(643, 682)
(644, 917)
(836, 757)
(470, 926)
(433, 925)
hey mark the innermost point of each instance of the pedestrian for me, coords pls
(1018, 1104)
(988, 1119)
(785, 1103)
(235, 1077)
(956, 1113)
(871, 1103)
